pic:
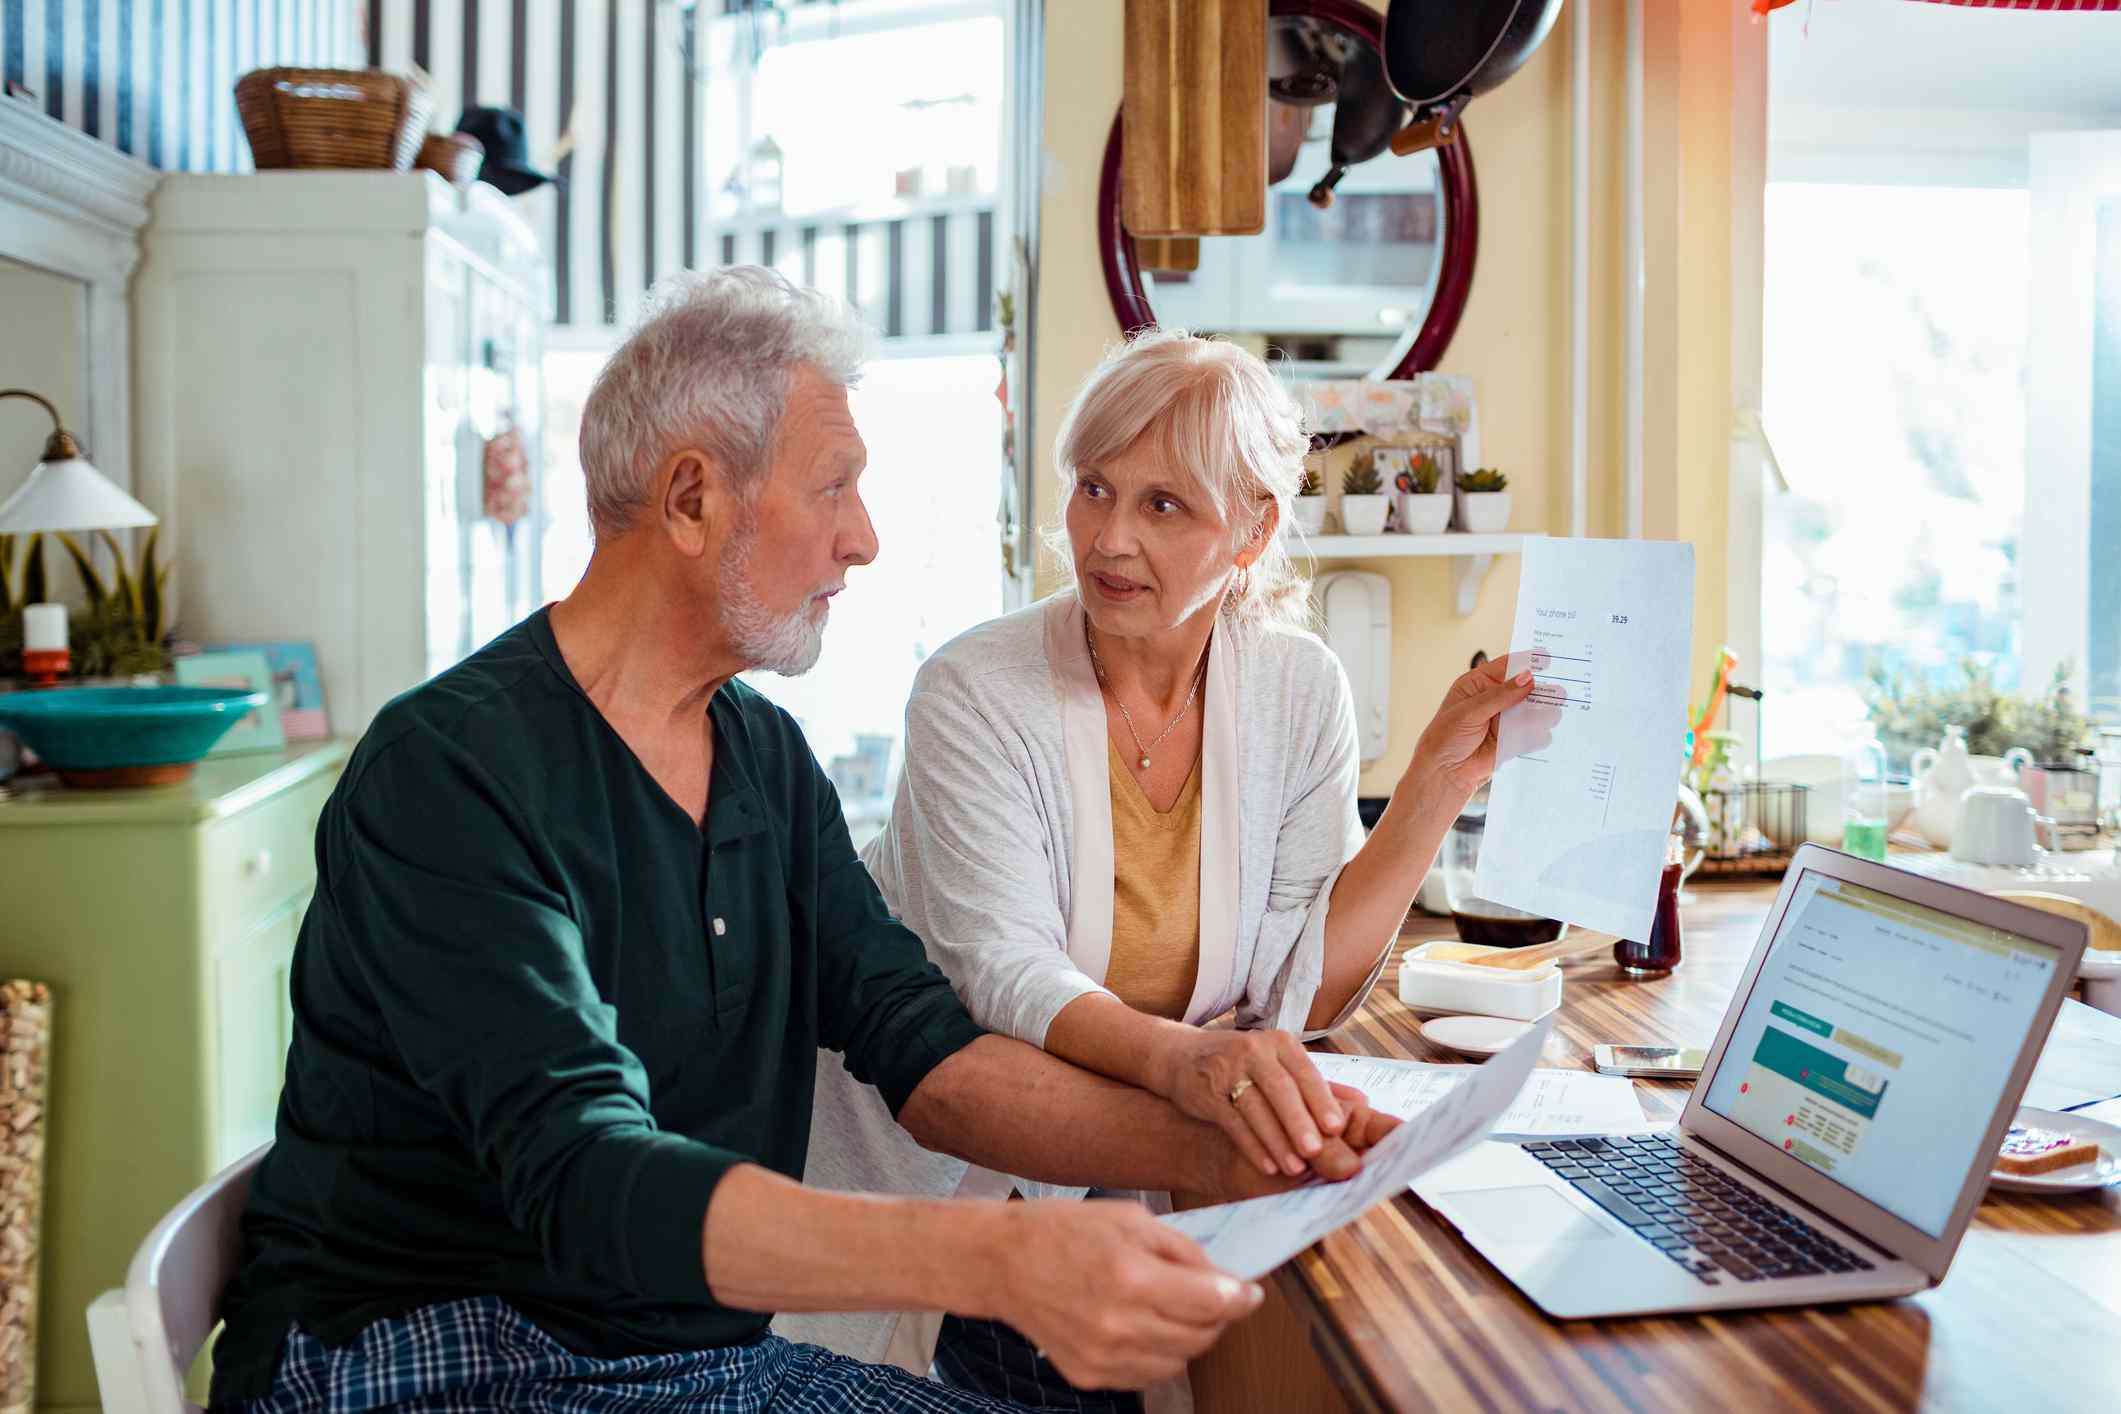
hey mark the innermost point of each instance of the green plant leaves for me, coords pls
(1361, 478)
(152, 580)
(126, 589)
(91, 580)
(1911, 713)
(33, 577)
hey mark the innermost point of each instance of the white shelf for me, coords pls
(1472, 556)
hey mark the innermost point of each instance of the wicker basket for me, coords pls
(333, 117)
(456, 156)
(25, 1086)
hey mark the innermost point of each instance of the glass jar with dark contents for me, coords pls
(1481, 920)
(1661, 953)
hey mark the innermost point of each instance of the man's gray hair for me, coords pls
(708, 367)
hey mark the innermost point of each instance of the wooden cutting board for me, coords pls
(1167, 253)
(1194, 118)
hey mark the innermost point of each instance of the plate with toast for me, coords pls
(2052, 1151)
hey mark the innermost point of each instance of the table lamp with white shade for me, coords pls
(92, 736)
(63, 492)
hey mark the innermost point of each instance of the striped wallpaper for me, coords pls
(610, 74)
(156, 78)
(612, 78)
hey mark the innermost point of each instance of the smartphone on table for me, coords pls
(1651, 1062)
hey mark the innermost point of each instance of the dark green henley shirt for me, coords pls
(539, 1013)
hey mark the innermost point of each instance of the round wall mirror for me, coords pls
(1370, 284)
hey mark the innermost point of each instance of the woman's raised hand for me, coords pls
(1461, 741)
(1258, 1087)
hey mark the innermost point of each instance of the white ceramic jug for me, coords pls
(1947, 771)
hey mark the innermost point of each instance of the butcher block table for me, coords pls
(1401, 1314)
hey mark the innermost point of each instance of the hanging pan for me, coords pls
(1440, 53)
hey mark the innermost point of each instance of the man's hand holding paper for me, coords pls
(1253, 1237)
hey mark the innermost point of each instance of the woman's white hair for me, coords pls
(1218, 414)
(708, 367)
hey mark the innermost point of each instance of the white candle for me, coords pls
(44, 627)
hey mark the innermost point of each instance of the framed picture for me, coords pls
(245, 668)
(297, 687)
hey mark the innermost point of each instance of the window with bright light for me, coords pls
(1894, 371)
(1941, 380)
(860, 150)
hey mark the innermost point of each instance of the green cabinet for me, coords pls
(164, 921)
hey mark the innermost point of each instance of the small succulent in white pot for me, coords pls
(1423, 510)
(1363, 503)
(1308, 506)
(1484, 495)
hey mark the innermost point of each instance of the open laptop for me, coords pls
(1842, 1129)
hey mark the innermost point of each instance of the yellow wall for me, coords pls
(1514, 338)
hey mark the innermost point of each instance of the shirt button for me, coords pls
(720, 927)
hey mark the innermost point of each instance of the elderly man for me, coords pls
(586, 908)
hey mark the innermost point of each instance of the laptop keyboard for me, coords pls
(1693, 1212)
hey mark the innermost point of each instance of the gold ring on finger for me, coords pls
(1237, 1091)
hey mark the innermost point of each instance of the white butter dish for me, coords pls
(1430, 985)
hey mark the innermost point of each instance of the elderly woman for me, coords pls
(1130, 809)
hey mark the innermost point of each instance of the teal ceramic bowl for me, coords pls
(124, 735)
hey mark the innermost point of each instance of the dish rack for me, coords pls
(1755, 827)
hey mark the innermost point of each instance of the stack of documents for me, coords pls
(1252, 1238)
(1554, 1104)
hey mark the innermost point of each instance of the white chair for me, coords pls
(146, 1336)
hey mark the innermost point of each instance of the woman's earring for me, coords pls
(1244, 581)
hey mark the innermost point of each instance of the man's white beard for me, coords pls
(787, 644)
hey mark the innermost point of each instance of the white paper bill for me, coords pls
(1251, 1238)
(1579, 810)
(1554, 1104)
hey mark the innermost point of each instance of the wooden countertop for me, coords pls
(1406, 1316)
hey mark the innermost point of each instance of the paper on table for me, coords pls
(1251, 1238)
(1576, 826)
(2077, 1062)
(1554, 1104)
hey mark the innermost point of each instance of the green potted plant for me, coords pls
(1912, 713)
(1485, 497)
(1362, 499)
(123, 631)
(17, 590)
(1969, 732)
(1423, 508)
(1308, 506)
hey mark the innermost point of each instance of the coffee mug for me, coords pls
(1995, 825)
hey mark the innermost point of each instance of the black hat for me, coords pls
(507, 164)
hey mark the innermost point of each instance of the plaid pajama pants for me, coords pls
(468, 1357)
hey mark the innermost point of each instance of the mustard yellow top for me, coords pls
(1155, 895)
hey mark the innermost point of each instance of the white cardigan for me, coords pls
(999, 855)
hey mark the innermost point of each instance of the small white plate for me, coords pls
(2078, 1178)
(1479, 1036)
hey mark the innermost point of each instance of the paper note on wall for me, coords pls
(1580, 809)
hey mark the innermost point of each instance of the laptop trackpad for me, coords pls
(1533, 1214)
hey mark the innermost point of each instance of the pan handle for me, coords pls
(1439, 129)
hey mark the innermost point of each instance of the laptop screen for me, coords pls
(1877, 1040)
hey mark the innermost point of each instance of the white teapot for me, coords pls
(1947, 771)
